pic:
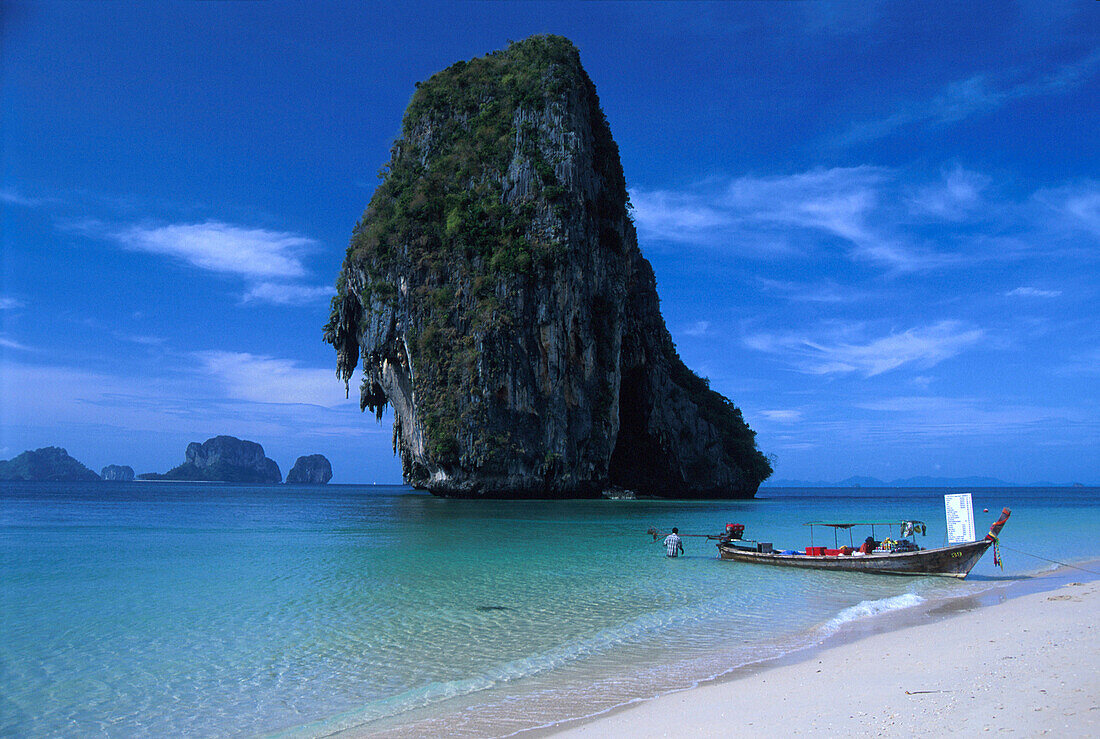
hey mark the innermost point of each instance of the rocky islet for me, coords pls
(218, 459)
(117, 473)
(497, 298)
(312, 469)
(48, 464)
(223, 459)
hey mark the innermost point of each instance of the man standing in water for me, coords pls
(673, 546)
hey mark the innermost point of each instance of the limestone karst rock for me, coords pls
(223, 459)
(118, 473)
(496, 295)
(314, 469)
(51, 464)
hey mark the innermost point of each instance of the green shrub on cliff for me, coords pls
(448, 199)
(440, 205)
(496, 276)
(738, 440)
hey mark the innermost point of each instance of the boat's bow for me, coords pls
(995, 529)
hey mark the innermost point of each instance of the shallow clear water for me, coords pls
(153, 608)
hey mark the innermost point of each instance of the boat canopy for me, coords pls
(908, 526)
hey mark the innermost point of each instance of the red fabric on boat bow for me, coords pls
(999, 524)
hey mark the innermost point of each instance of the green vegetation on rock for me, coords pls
(489, 290)
(441, 210)
(46, 464)
(222, 459)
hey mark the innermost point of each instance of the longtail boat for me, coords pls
(899, 556)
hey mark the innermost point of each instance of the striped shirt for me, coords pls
(673, 545)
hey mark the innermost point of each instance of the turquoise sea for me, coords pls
(158, 609)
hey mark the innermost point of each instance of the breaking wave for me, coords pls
(871, 608)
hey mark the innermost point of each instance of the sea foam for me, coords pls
(870, 608)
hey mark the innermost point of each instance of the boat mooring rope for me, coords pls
(1052, 561)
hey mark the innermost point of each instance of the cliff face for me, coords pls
(496, 295)
(314, 469)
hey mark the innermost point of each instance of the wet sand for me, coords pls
(1028, 666)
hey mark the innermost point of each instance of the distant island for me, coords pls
(223, 459)
(118, 473)
(48, 464)
(219, 459)
(229, 459)
(313, 469)
(498, 258)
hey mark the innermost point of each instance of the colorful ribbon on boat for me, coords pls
(997, 553)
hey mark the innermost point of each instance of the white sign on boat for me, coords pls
(960, 518)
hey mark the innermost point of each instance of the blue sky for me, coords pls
(875, 226)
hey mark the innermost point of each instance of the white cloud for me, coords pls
(676, 216)
(287, 294)
(1032, 292)
(142, 339)
(12, 344)
(850, 206)
(824, 292)
(922, 347)
(956, 196)
(107, 329)
(252, 253)
(886, 218)
(1086, 362)
(699, 328)
(153, 416)
(975, 95)
(961, 99)
(9, 303)
(1077, 205)
(270, 262)
(262, 379)
(940, 416)
(782, 416)
(220, 391)
(834, 200)
(10, 196)
(1085, 208)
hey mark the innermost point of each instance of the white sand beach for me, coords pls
(1027, 666)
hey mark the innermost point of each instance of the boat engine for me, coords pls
(735, 530)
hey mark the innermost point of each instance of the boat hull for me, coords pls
(952, 561)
